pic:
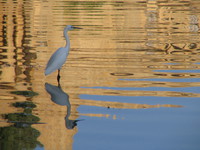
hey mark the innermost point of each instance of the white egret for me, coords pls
(59, 57)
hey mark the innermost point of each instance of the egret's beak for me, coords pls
(77, 28)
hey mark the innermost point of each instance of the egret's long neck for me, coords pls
(66, 38)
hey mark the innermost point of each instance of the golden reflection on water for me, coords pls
(120, 40)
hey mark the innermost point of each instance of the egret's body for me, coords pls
(59, 57)
(57, 60)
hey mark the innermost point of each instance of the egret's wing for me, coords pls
(56, 61)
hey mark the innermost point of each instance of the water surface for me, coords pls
(131, 80)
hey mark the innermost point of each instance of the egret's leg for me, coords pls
(58, 76)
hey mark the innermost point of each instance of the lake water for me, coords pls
(131, 80)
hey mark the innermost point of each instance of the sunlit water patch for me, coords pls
(178, 71)
(157, 89)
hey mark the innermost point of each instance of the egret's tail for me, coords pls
(47, 72)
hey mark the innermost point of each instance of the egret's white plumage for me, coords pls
(57, 60)
(59, 57)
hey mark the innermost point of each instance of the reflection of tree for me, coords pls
(15, 43)
(18, 138)
(20, 135)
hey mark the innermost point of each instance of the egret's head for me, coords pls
(70, 27)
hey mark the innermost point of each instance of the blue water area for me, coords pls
(174, 89)
(155, 128)
(39, 148)
(172, 63)
(151, 100)
(166, 80)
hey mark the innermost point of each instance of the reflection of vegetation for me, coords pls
(87, 5)
(21, 117)
(18, 138)
(25, 93)
(28, 106)
(20, 135)
(90, 4)
(24, 104)
(26, 116)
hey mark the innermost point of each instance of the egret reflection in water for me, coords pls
(59, 57)
(59, 97)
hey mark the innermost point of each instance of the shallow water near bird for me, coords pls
(131, 80)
